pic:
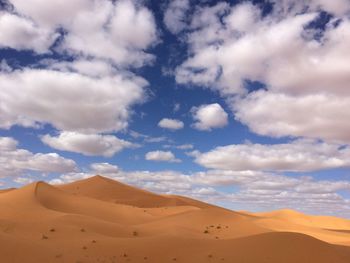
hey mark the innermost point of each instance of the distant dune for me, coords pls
(101, 220)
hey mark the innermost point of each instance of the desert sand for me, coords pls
(102, 220)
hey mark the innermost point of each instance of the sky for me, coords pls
(244, 104)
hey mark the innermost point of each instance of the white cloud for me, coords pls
(300, 155)
(8, 144)
(104, 168)
(87, 144)
(209, 116)
(118, 31)
(133, 24)
(243, 17)
(68, 101)
(53, 13)
(314, 116)
(15, 161)
(175, 15)
(337, 7)
(161, 156)
(302, 68)
(93, 68)
(48, 163)
(237, 57)
(171, 124)
(22, 34)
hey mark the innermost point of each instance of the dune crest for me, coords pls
(102, 220)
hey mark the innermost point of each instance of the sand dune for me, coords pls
(101, 220)
(105, 189)
(326, 222)
(330, 229)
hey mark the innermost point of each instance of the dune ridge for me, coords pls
(102, 220)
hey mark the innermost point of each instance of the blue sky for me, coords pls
(239, 103)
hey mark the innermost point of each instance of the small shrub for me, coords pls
(206, 231)
(44, 237)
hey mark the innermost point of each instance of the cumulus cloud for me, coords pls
(171, 124)
(68, 101)
(161, 156)
(313, 116)
(15, 161)
(175, 15)
(243, 17)
(239, 57)
(118, 31)
(22, 34)
(301, 67)
(51, 14)
(300, 156)
(209, 116)
(87, 144)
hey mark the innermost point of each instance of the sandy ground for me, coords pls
(101, 220)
